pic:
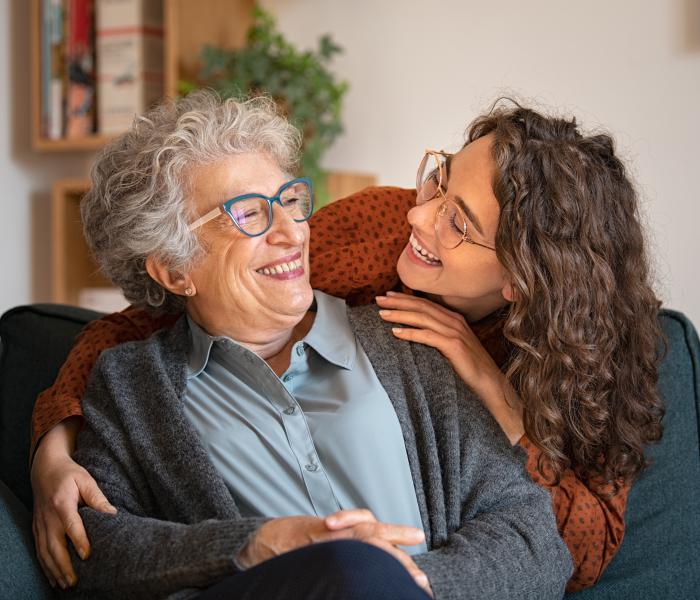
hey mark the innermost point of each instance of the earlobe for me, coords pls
(507, 291)
(173, 281)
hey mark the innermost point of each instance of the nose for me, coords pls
(422, 217)
(284, 229)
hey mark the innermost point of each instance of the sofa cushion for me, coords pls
(35, 342)
(658, 557)
(20, 575)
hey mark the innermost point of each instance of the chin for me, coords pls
(302, 300)
(408, 276)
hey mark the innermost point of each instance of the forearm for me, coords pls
(140, 557)
(60, 440)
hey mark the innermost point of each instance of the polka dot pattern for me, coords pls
(355, 243)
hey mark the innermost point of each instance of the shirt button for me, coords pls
(290, 410)
(311, 467)
(300, 350)
(287, 377)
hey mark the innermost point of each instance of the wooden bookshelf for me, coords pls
(188, 25)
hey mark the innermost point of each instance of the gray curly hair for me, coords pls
(137, 205)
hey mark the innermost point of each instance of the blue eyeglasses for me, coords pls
(252, 213)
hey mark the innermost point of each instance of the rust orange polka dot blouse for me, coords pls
(355, 244)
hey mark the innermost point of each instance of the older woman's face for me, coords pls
(231, 289)
(468, 278)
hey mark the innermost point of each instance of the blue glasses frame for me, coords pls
(225, 208)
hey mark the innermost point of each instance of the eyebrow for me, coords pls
(472, 217)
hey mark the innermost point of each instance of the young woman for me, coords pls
(528, 248)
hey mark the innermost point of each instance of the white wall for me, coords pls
(420, 71)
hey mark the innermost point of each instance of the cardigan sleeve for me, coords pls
(505, 543)
(62, 399)
(590, 519)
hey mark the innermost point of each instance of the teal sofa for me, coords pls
(658, 558)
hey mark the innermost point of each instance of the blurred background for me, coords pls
(400, 76)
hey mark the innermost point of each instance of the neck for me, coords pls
(272, 345)
(473, 310)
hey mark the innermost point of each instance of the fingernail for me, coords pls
(391, 293)
(422, 579)
(380, 297)
(397, 329)
(384, 312)
(332, 521)
(82, 553)
(62, 583)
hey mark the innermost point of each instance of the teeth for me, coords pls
(421, 252)
(281, 268)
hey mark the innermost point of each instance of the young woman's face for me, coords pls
(468, 278)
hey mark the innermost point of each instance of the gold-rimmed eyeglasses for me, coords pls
(451, 223)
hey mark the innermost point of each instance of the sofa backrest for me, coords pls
(657, 559)
(35, 342)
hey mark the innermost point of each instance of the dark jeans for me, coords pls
(340, 570)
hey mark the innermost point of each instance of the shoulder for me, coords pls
(132, 363)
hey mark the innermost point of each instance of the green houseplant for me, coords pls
(299, 81)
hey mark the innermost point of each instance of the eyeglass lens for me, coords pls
(428, 180)
(450, 225)
(253, 214)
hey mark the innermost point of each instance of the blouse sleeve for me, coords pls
(591, 520)
(62, 399)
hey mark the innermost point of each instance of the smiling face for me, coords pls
(248, 288)
(468, 278)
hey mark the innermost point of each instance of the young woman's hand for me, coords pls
(448, 331)
(60, 485)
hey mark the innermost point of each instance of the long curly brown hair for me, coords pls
(584, 329)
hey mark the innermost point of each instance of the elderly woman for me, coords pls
(270, 418)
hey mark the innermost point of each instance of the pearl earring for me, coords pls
(188, 291)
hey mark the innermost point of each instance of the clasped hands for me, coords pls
(288, 533)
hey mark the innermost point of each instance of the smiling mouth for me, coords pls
(422, 254)
(289, 265)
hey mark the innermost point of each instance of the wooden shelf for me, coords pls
(188, 25)
(72, 264)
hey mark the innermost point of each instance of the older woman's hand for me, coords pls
(59, 484)
(278, 536)
(449, 332)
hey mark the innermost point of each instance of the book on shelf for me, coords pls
(80, 69)
(55, 70)
(67, 68)
(129, 60)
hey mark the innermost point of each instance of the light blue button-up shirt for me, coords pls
(321, 438)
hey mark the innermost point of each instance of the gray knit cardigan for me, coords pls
(490, 530)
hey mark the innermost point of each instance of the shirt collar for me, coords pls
(330, 335)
